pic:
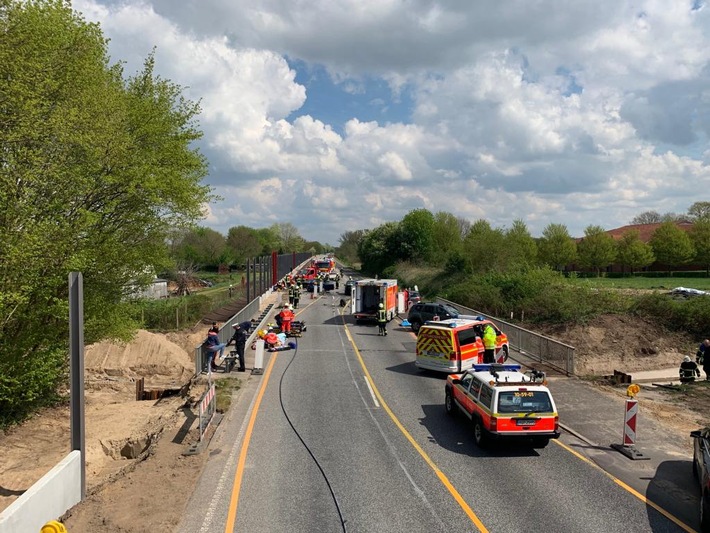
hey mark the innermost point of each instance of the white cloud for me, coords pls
(596, 112)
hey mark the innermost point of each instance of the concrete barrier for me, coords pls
(49, 498)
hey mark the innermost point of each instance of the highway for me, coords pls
(345, 434)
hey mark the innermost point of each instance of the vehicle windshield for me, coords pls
(451, 310)
(524, 402)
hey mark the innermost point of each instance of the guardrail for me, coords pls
(530, 344)
(226, 331)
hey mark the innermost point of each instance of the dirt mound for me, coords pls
(149, 355)
(619, 342)
(119, 429)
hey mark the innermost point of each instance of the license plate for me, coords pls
(525, 421)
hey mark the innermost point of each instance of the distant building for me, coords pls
(155, 291)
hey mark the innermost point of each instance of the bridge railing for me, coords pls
(530, 344)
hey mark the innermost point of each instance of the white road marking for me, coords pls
(372, 392)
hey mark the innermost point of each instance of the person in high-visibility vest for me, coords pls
(382, 320)
(489, 344)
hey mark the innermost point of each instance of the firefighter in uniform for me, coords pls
(382, 320)
(296, 295)
(489, 344)
(291, 292)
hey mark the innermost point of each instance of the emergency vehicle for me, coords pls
(456, 344)
(368, 294)
(326, 265)
(504, 403)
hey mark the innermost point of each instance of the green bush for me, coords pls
(691, 315)
(29, 381)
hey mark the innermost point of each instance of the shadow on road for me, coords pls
(674, 489)
(455, 433)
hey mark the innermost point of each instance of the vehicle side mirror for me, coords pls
(455, 381)
(695, 434)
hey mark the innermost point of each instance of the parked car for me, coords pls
(504, 404)
(414, 297)
(348, 289)
(701, 470)
(425, 311)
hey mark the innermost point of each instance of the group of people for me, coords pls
(689, 370)
(215, 348)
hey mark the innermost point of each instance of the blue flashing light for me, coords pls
(497, 367)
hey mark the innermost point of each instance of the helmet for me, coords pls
(382, 306)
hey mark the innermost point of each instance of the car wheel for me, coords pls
(505, 354)
(705, 512)
(449, 404)
(480, 436)
(415, 326)
(540, 442)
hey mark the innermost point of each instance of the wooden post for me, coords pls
(139, 389)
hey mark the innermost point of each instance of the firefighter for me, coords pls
(291, 290)
(296, 295)
(286, 317)
(382, 320)
(489, 344)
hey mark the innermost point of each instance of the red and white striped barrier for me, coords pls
(632, 409)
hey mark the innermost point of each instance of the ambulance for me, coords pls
(456, 344)
(504, 404)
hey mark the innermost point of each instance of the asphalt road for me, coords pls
(345, 434)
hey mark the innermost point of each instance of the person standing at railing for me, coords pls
(212, 345)
(240, 341)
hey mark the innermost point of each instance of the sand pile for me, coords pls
(149, 355)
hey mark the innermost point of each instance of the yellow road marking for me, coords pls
(234, 500)
(629, 489)
(442, 477)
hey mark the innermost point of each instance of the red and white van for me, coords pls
(455, 345)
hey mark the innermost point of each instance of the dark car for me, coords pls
(425, 311)
(348, 289)
(701, 464)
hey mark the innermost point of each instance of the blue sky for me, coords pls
(338, 115)
(335, 103)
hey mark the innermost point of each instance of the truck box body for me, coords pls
(369, 293)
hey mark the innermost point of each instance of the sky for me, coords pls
(339, 115)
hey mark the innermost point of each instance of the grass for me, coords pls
(646, 283)
(225, 387)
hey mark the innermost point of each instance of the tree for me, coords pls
(671, 245)
(417, 235)
(647, 217)
(483, 248)
(269, 240)
(597, 249)
(349, 243)
(699, 210)
(377, 248)
(520, 248)
(95, 171)
(289, 238)
(700, 237)
(243, 242)
(633, 252)
(446, 237)
(204, 247)
(556, 248)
